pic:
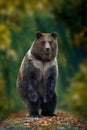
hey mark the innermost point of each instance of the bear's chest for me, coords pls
(43, 67)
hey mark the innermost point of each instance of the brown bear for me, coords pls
(37, 75)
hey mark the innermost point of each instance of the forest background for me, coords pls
(19, 21)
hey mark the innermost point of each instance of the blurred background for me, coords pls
(19, 21)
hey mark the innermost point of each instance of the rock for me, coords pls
(61, 128)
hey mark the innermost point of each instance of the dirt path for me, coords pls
(63, 121)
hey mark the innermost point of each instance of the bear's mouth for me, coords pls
(46, 56)
(47, 51)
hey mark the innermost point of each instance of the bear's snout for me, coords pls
(47, 51)
(47, 48)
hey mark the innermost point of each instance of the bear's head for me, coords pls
(45, 46)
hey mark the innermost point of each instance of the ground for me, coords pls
(63, 121)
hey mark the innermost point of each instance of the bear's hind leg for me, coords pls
(49, 107)
(33, 108)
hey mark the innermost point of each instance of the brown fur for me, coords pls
(37, 46)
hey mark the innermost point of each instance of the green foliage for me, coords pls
(72, 12)
(4, 101)
(4, 37)
(76, 96)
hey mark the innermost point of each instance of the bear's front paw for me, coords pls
(46, 98)
(33, 97)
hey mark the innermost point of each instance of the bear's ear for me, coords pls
(54, 35)
(38, 35)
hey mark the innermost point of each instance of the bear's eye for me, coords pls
(50, 42)
(43, 42)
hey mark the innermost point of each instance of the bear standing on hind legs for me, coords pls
(38, 74)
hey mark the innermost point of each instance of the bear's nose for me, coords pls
(47, 50)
